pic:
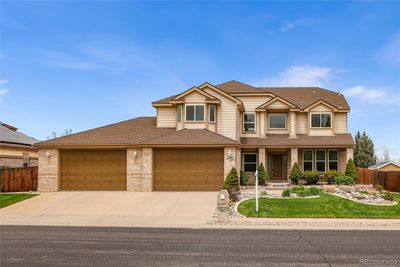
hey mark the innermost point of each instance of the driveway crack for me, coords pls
(315, 247)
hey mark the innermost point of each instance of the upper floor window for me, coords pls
(211, 113)
(321, 120)
(179, 113)
(249, 122)
(194, 112)
(277, 120)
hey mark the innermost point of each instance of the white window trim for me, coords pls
(178, 113)
(337, 158)
(320, 113)
(271, 114)
(319, 160)
(312, 158)
(249, 153)
(255, 122)
(209, 113)
(194, 120)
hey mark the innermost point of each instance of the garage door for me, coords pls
(93, 170)
(188, 169)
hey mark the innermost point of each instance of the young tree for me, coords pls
(55, 135)
(351, 169)
(364, 151)
(296, 174)
(231, 184)
(262, 175)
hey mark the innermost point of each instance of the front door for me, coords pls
(277, 168)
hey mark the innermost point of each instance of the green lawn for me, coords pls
(326, 206)
(9, 199)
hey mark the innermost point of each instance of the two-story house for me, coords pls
(198, 135)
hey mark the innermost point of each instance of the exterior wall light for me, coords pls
(47, 154)
(135, 153)
(229, 155)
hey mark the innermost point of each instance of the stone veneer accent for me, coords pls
(49, 171)
(230, 163)
(139, 170)
(261, 157)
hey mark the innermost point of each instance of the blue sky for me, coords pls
(80, 65)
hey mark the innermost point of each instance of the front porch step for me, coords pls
(277, 185)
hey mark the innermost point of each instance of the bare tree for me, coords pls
(385, 154)
(55, 135)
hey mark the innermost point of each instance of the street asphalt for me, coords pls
(98, 246)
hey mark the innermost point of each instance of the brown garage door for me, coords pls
(188, 169)
(93, 169)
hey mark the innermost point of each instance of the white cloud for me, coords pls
(288, 25)
(390, 52)
(371, 95)
(301, 76)
(3, 81)
(2, 93)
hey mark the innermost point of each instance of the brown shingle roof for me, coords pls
(191, 137)
(302, 97)
(343, 140)
(129, 132)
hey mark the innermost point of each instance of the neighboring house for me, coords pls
(199, 135)
(16, 148)
(385, 166)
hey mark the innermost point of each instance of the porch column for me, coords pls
(349, 153)
(261, 157)
(292, 124)
(293, 156)
(230, 160)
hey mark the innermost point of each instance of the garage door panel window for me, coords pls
(194, 113)
(250, 162)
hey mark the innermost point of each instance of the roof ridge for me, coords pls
(97, 128)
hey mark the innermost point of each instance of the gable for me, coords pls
(320, 106)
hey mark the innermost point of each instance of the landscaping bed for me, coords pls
(325, 206)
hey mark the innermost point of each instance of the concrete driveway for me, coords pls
(157, 209)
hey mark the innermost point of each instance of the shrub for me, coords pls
(312, 191)
(346, 180)
(311, 177)
(388, 196)
(302, 193)
(244, 178)
(329, 176)
(379, 188)
(295, 174)
(262, 175)
(231, 184)
(263, 193)
(351, 169)
(286, 193)
(297, 189)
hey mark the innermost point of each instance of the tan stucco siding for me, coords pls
(278, 105)
(340, 123)
(195, 97)
(252, 102)
(166, 117)
(226, 115)
(301, 123)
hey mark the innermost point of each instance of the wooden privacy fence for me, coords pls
(19, 179)
(389, 180)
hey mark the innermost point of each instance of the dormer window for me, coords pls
(211, 113)
(321, 120)
(194, 113)
(179, 113)
(249, 122)
(277, 120)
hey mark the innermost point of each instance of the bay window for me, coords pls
(194, 113)
(320, 160)
(249, 122)
(308, 160)
(277, 120)
(321, 120)
(333, 160)
(211, 113)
